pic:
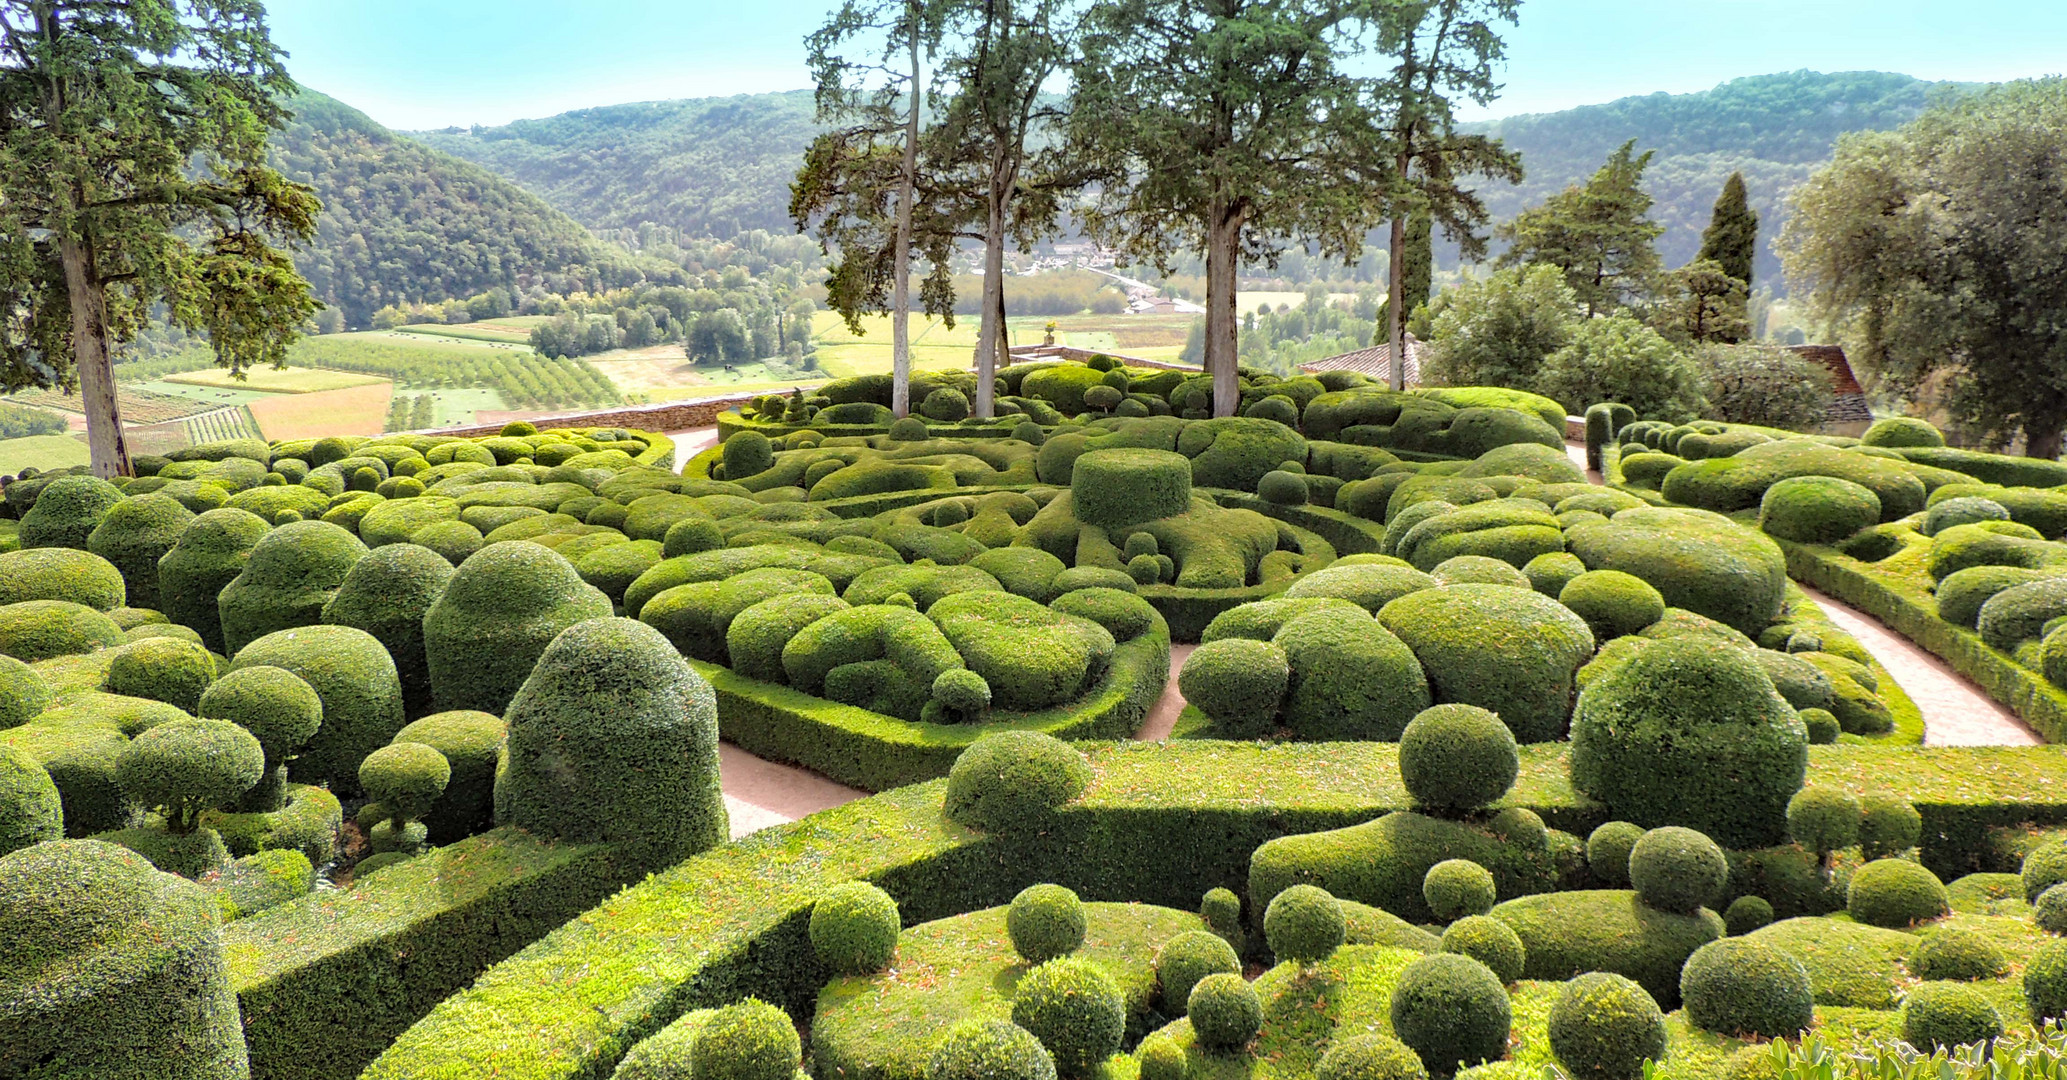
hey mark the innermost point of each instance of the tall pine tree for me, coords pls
(1731, 239)
(1599, 234)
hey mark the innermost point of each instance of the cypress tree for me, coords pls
(1731, 238)
(1420, 262)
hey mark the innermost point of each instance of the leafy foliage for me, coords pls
(1599, 234)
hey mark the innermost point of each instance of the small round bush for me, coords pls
(1964, 510)
(166, 669)
(1490, 942)
(1455, 888)
(279, 709)
(1747, 913)
(752, 1040)
(909, 429)
(1238, 683)
(1604, 1027)
(2050, 912)
(1162, 1059)
(747, 453)
(854, 928)
(1187, 958)
(30, 811)
(405, 778)
(1677, 870)
(1225, 1012)
(2045, 983)
(947, 405)
(1896, 893)
(1304, 925)
(1370, 1057)
(1822, 726)
(1281, 409)
(1948, 1015)
(1452, 1011)
(23, 693)
(1817, 509)
(1074, 1009)
(1044, 922)
(1742, 987)
(1957, 955)
(1902, 431)
(2044, 868)
(990, 1050)
(962, 694)
(1283, 488)
(1457, 758)
(1823, 819)
(690, 536)
(1103, 398)
(1012, 781)
(185, 767)
(1222, 910)
(1613, 603)
(1607, 852)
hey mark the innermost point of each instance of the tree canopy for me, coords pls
(1599, 234)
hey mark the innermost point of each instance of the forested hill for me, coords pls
(702, 166)
(402, 221)
(1776, 128)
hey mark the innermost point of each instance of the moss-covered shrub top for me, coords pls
(58, 573)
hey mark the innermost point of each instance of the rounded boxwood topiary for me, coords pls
(1162, 1059)
(36, 630)
(1607, 852)
(1822, 726)
(78, 577)
(1452, 1011)
(1823, 819)
(1239, 684)
(292, 573)
(947, 405)
(1044, 922)
(134, 535)
(387, 594)
(1612, 603)
(2044, 867)
(747, 453)
(2045, 983)
(2050, 912)
(1948, 1015)
(1743, 987)
(23, 693)
(992, 1050)
(1457, 758)
(1490, 942)
(452, 540)
(1225, 1012)
(30, 811)
(1509, 650)
(752, 1040)
(184, 767)
(496, 617)
(356, 681)
(909, 429)
(1957, 955)
(1817, 509)
(614, 739)
(470, 742)
(1304, 924)
(1455, 888)
(1116, 489)
(962, 695)
(1011, 781)
(1902, 431)
(1747, 913)
(1187, 958)
(165, 669)
(1604, 1027)
(1222, 910)
(854, 928)
(405, 778)
(1964, 510)
(67, 511)
(1351, 678)
(1676, 869)
(1479, 570)
(1283, 488)
(1370, 1057)
(1896, 893)
(1074, 1009)
(278, 708)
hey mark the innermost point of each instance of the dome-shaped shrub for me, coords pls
(1304, 924)
(1281, 409)
(1948, 1015)
(752, 1040)
(747, 453)
(278, 708)
(1512, 651)
(1225, 1012)
(1370, 1057)
(1888, 826)
(2050, 912)
(405, 778)
(2044, 867)
(1074, 1009)
(854, 928)
(1282, 488)
(292, 573)
(1612, 603)
(1479, 570)
(134, 535)
(1490, 942)
(470, 743)
(1747, 913)
(1237, 683)
(1604, 1027)
(1677, 870)
(210, 554)
(30, 811)
(495, 618)
(1957, 955)
(1607, 852)
(41, 629)
(1822, 726)
(452, 540)
(1187, 958)
(163, 669)
(185, 767)
(1012, 781)
(1964, 510)
(111, 968)
(67, 511)
(1452, 1011)
(1455, 888)
(1457, 758)
(1370, 586)
(1823, 819)
(23, 693)
(1351, 678)
(1817, 509)
(1742, 987)
(1044, 922)
(947, 405)
(1688, 732)
(1896, 893)
(1902, 431)
(614, 739)
(67, 574)
(990, 1050)
(387, 594)
(355, 679)
(2045, 982)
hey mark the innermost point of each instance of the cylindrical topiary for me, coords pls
(1677, 870)
(278, 708)
(1738, 986)
(165, 669)
(1455, 888)
(1237, 683)
(1490, 942)
(1115, 489)
(355, 679)
(1013, 780)
(1948, 1015)
(1452, 1011)
(1044, 922)
(1823, 820)
(1896, 893)
(495, 618)
(1074, 1009)
(1955, 954)
(1457, 758)
(1614, 604)
(210, 554)
(134, 535)
(1370, 1057)
(991, 1050)
(854, 928)
(1225, 1012)
(1187, 958)
(2045, 983)
(1604, 1027)
(387, 594)
(1304, 924)
(30, 811)
(752, 1040)
(1747, 913)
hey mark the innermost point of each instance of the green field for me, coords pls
(291, 380)
(503, 331)
(208, 395)
(42, 452)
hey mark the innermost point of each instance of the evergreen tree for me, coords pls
(1599, 235)
(1419, 269)
(1731, 239)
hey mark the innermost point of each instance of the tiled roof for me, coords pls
(1847, 399)
(1375, 361)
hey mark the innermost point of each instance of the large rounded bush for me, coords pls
(210, 554)
(1896, 893)
(42, 629)
(854, 928)
(1304, 925)
(752, 1040)
(1742, 987)
(1115, 489)
(78, 577)
(387, 594)
(165, 669)
(747, 453)
(1613, 603)
(1074, 1009)
(30, 811)
(184, 767)
(1044, 922)
(1964, 510)
(989, 1050)
(355, 679)
(1455, 888)
(1370, 586)
(67, 511)
(1704, 564)
(1604, 1027)
(1607, 852)
(134, 535)
(1351, 678)
(1457, 758)
(2045, 983)
(1817, 509)
(614, 739)
(1187, 958)
(1904, 431)
(1225, 1012)
(1239, 684)
(1694, 734)
(1512, 651)
(1677, 869)
(496, 617)
(1012, 781)
(1452, 1011)
(1958, 955)
(292, 573)
(1948, 1015)
(1490, 942)
(278, 708)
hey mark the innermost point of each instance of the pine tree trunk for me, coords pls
(1223, 250)
(990, 338)
(900, 297)
(104, 439)
(1396, 298)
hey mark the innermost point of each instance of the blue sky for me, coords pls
(432, 63)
